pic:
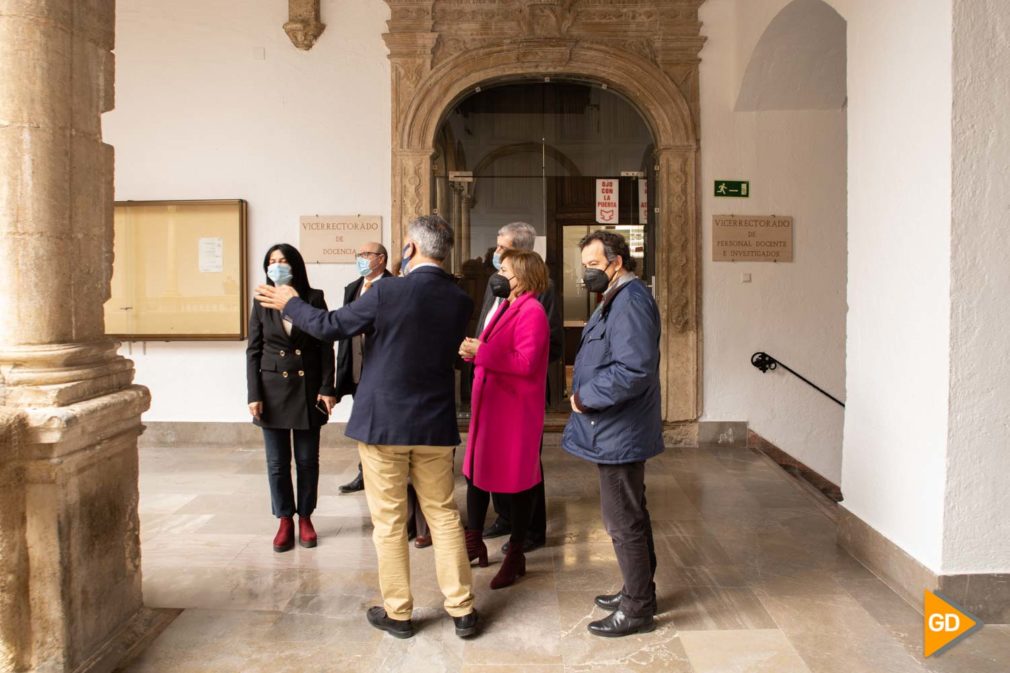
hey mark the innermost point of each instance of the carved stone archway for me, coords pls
(443, 50)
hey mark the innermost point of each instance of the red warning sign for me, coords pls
(606, 201)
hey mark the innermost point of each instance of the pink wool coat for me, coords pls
(507, 409)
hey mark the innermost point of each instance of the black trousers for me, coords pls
(626, 518)
(520, 504)
(306, 451)
(538, 519)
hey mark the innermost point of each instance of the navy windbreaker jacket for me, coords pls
(616, 379)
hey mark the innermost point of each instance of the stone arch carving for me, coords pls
(662, 105)
(439, 56)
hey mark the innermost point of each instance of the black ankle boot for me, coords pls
(609, 602)
(619, 624)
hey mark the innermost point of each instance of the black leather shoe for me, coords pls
(466, 625)
(609, 602)
(618, 624)
(497, 529)
(353, 486)
(398, 628)
(528, 546)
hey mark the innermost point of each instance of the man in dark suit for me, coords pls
(404, 415)
(522, 236)
(372, 259)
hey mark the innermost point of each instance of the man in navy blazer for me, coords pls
(404, 415)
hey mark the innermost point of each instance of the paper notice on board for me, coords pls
(211, 255)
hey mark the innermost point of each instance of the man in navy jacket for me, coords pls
(617, 422)
(404, 415)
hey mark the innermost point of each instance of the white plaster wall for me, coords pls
(899, 200)
(898, 277)
(297, 133)
(977, 515)
(795, 161)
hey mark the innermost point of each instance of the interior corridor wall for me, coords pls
(213, 101)
(977, 512)
(795, 162)
(899, 203)
(897, 348)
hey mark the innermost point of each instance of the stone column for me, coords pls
(14, 613)
(57, 369)
(463, 243)
(410, 42)
(677, 253)
(411, 190)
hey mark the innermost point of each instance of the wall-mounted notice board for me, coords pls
(179, 271)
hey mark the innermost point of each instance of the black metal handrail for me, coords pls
(766, 363)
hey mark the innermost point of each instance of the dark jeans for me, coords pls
(306, 450)
(622, 501)
(538, 521)
(520, 505)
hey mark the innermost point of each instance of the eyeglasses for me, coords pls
(369, 255)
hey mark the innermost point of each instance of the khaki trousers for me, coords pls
(385, 469)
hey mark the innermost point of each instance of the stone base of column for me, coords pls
(15, 617)
(79, 420)
(129, 641)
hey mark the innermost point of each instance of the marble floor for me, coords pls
(750, 580)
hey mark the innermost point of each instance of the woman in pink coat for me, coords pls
(507, 408)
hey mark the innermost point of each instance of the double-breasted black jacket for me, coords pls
(287, 372)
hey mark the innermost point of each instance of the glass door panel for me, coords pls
(532, 152)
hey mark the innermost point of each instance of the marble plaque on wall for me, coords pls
(752, 238)
(335, 239)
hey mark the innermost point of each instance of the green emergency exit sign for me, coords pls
(732, 188)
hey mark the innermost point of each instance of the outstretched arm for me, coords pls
(356, 318)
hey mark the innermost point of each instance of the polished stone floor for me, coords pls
(750, 580)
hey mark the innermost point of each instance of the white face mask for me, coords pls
(280, 274)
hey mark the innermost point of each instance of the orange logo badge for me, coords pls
(943, 624)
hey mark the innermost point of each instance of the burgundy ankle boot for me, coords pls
(512, 567)
(306, 533)
(475, 547)
(285, 538)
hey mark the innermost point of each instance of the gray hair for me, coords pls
(523, 235)
(433, 236)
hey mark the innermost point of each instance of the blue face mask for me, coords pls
(496, 260)
(280, 274)
(364, 266)
(403, 264)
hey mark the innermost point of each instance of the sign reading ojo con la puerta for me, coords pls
(752, 238)
(335, 239)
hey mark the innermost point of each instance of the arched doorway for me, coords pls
(425, 88)
(536, 151)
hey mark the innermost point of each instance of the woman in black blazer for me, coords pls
(290, 377)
